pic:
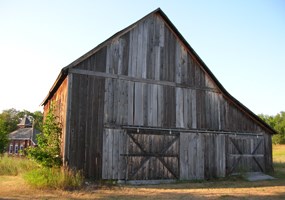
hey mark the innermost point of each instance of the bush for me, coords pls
(47, 152)
(54, 178)
(13, 166)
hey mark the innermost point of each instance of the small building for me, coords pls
(142, 105)
(23, 137)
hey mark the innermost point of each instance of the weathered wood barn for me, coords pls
(143, 105)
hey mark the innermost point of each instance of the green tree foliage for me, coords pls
(277, 122)
(3, 141)
(8, 123)
(9, 120)
(47, 152)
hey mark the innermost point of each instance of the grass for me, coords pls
(15, 187)
(39, 177)
(54, 178)
(279, 153)
(279, 161)
(14, 166)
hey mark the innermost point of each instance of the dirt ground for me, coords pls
(14, 187)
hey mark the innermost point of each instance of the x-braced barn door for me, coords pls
(245, 153)
(152, 155)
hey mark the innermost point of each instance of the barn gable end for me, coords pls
(143, 105)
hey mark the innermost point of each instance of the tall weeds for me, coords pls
(13, 166)
(38, 176)
(54, 178)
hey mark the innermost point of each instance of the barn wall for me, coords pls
(59, 101)
(146, 77)
(245, 153)
(143, 155)
(114, 165)
(154, 80)
(202, 156)
(268, 153)
(148, 154)
(86, 124)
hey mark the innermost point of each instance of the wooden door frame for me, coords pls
(241, 155)
(148, 155)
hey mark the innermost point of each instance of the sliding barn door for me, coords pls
(152, 156)
(245, 153)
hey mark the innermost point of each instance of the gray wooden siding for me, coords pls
(140, 156)
(86, 124)
(148, 154)
(154, 81)
(245, 153)
(206, 156)
(146, 77)
(202, 156)
(114, 165)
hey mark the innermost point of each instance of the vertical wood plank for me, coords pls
(160, 107)
(200, 156)
(179, 108)
(186, 108)
(154, 102)
(178, 63)
(115, 153)
(183, 157)
(194, 109)
(131, 98)
(109, 142)
(138, 113)
(149, 105)
(68, 119)
(105, 155)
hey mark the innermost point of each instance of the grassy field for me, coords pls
(14, 187)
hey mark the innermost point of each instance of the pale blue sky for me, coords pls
(242, 42)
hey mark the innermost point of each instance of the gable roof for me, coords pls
(64, 71)
(25, 122)
(24, 134)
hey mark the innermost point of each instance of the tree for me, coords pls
(277, 122)
(38, 120)
(47, 152)
(8, 123)
(9, 120)
(3, 141)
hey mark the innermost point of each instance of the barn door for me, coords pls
(152, 156)
(245, 154)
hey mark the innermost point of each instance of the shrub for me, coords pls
(55, 178)
(47, 153)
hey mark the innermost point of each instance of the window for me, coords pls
(11, 149)
(21, 149)
(16, 149)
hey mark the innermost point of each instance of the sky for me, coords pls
(242, 43)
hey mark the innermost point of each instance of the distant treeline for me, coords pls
(277, 122)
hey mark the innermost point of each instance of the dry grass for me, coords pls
(14, 187)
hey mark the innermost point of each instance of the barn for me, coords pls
(142, 105)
